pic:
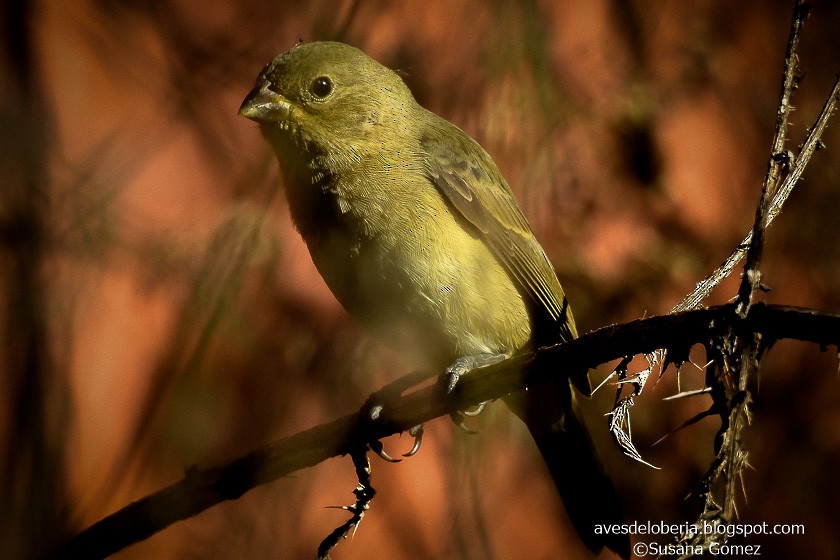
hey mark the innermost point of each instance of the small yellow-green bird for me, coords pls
(418, 235)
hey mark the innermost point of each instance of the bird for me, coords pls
(416, 232)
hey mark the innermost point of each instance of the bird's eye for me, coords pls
(321, 87)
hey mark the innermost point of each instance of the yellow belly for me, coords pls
(419, 279)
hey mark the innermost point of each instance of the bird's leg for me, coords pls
(466, 364)
(463, 366)
(373, 407)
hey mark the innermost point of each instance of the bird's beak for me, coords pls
(263, 105)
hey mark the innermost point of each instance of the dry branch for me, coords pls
(735, 357)
(201, 489)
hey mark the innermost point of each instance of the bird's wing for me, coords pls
(470, 180)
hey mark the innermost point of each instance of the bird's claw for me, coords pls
(417, 433)
(478, 410)
(458, 417)
(377, 447)
(450, 380)
(374, 411)
(458, 420)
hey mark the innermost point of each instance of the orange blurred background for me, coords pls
(159, 311)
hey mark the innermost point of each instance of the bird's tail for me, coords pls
(588, 495)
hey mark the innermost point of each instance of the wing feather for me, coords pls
(471, 182)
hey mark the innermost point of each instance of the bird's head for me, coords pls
(328, 98)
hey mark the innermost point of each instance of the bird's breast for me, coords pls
(406, 265)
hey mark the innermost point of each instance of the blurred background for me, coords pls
(158, 310)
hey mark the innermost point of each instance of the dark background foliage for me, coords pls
(157, 309)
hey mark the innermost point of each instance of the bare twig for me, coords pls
(812, 143)
(778, 161)
(751, 279)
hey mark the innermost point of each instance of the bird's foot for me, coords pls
(457, 369)
(371, 412)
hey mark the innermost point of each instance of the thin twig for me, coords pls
(751, 280)
(812, 143)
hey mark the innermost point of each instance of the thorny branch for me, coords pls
(734, 358)
(201, 489)
(782, 159)
(751, 279)
(737, 358)
(364, 493)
